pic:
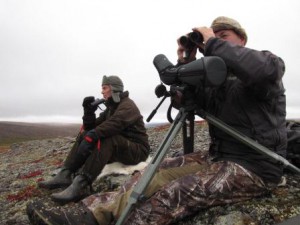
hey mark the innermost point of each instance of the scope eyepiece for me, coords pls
(163, 66)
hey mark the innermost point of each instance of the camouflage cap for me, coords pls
(116, 84)
(226, 23)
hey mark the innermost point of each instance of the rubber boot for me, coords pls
(61, 180)
(79, 189)
(41, 214)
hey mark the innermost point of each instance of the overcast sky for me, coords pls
(53, 53)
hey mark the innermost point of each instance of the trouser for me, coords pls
(181, 186)
(113, 149)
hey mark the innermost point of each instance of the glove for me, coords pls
(90, 140)
(91, 136)
(88, 100)
(87, 107)
(89, 116)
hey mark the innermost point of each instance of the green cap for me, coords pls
(116, 84)
(226, 23)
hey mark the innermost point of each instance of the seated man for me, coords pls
(251, 100)
(117, 135)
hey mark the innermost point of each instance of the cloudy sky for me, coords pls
(53, 53)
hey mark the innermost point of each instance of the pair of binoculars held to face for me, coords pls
(190, 40)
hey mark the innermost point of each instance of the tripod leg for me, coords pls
(247, 141)
(169, 137)
(140, 187)
(188, 137)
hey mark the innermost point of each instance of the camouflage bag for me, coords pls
(293, 148)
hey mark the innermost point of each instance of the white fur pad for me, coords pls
(120, 168)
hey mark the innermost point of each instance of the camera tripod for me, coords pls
(140, 187)
(188, 113)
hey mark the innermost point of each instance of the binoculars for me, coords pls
(98, 102)
(190, 40)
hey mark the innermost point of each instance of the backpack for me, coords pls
(293, 142)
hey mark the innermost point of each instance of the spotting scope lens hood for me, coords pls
(207, 71)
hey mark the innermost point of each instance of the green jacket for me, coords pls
(123, 118)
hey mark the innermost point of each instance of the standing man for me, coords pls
(118, 134)
(251, 100)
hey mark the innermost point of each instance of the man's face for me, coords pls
(231, 36)
(106, 91)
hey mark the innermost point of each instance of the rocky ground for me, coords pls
(25, 163)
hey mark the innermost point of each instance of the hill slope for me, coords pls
(11, 132)
(26, 163)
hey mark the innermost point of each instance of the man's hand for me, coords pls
(89, 116)
(207, 33)
(88, 100)
(88, 108)
(89, 142)
(91, 136)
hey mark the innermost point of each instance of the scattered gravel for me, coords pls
(25, 163)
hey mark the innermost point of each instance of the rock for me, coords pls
(234, 218)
